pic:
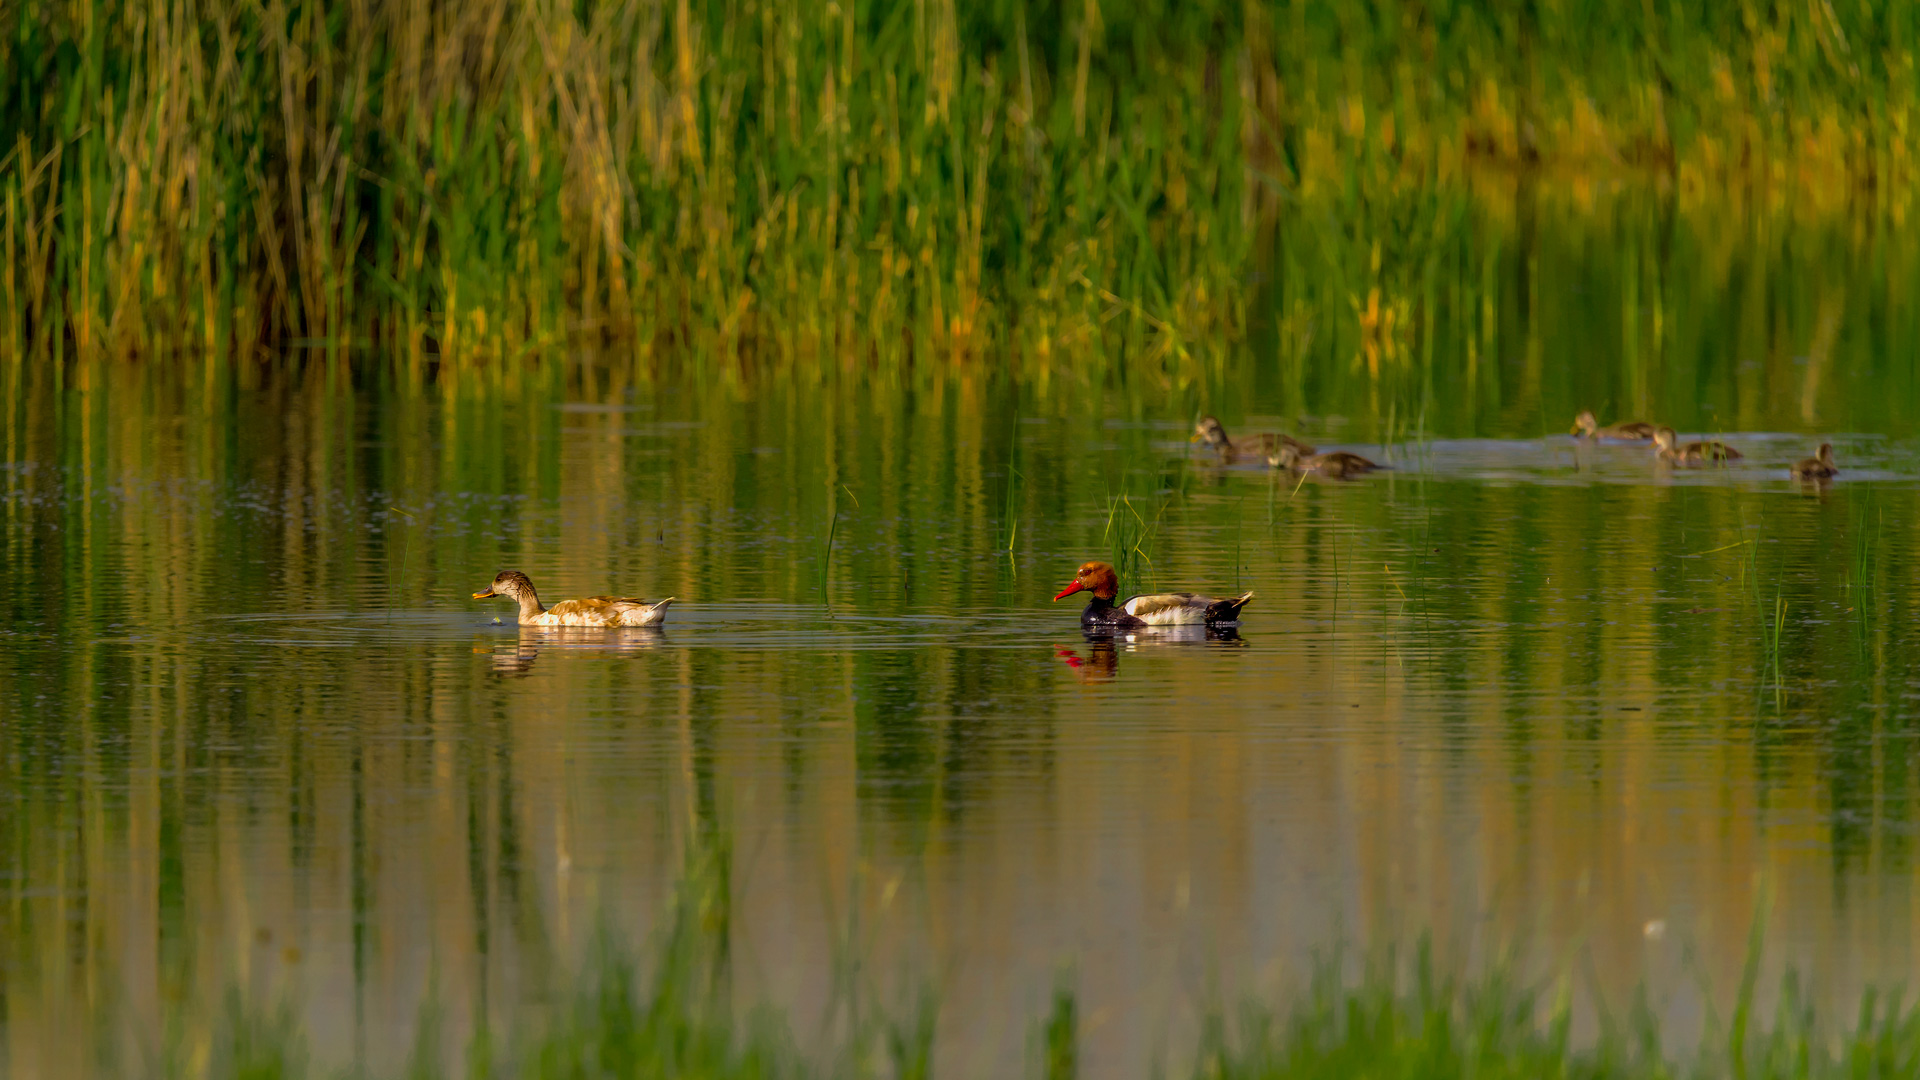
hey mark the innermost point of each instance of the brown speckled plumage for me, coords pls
(1337, 464)
(1263, 445)
(1694, 453)
(593, 611)
(1586, 426)
(1818, 467)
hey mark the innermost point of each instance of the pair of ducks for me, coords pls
(1102, 613)
(1668, 446)
(1280, 451)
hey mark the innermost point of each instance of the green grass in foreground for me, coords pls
(680, 1020)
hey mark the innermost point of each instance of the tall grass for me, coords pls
(764, 181)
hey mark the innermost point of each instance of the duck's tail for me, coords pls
(649, 614)
(1227, 610)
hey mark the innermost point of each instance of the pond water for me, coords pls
(1534, 697)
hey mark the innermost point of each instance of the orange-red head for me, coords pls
(1095, 577)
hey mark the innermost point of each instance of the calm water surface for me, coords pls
(1519, 693)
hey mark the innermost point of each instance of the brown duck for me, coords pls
(1693, 453)
(1587, 427)
(1337, 464)
(593, 611)
(1265, 444)
(1818, 467)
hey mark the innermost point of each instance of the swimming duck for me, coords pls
(1818, 467)
(1140, 612)
(593, 611)
(1693, 453)
(1265, 444)
(1337, 464)
(1587, 427)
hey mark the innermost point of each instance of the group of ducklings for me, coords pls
(1710, 452)
(1285, 451)
(1280, 451)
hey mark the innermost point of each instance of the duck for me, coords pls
(1337, 464)
(1587, 427)
(1148, 610)
(1818, 467)
(593, 611)
(1209, 431)
(1693, 453)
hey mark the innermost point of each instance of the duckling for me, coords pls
(1818, 467)
(1337, 464)
(1693, 453)
(1208, 430)
(1587, 427)
(593, 611)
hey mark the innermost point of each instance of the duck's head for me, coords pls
(1664, 438)
(1284, 456)
(511, 584)
(1209, 431)
(1826, 454)
(1585, 424)
(1095, 577)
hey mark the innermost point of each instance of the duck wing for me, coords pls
(593, 611)
(631, 610)
(1183, 608)
(1631, 429)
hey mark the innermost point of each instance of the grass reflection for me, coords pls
(675, 1012)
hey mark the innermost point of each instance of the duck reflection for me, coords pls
(1101, 659)
(518, 659)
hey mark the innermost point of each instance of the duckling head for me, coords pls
(1585, 423)
(1826, 454)
(1209, 431)
(1664, 438)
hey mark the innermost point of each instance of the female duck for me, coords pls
(593, 611)
(1693, 453)
(1140, 612)
(1337, 464)
(1266, 444)
(1587, 427)
(1818, 467)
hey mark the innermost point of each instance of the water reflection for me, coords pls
(1518, 690)
(1102, 660)
(518, 659)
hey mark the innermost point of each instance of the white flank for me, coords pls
(1167, 609)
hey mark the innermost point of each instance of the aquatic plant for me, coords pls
(757, 183)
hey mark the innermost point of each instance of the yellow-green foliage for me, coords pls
(764, 181)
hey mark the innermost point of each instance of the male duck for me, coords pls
(593, 611)
(1140, 612)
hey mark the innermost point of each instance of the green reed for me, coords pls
(1060, 1035)
(1402, 1019)
(1010, 512)
(763, 182)
(1129, 538)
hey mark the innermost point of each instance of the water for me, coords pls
(1517, 693)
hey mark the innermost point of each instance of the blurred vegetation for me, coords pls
(756, 182)
(677, 1015)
